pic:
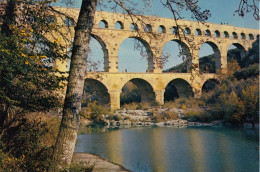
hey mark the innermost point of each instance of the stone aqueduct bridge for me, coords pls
(154, 33)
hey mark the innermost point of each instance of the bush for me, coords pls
(252, 70)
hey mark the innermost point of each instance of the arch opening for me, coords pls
(226, 34)
(138, 91)
(234, 35)
(175, 30)
(209, 58)
(161, 29)
(250, 37)
(95, 91)
(242, 36)
(177, 88)
(198, 32)
(176, 57)
(235, 55)
(187, 31)
(217, 33)
(103, 24)
(97, 60)
(133, 27)
(135, 55)
(207, 33)
(119, 25)
(209, 85)
(148, 28)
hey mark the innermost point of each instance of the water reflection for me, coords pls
(174, 149)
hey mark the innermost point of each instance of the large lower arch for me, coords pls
(178, 88)
(176, 57)
(94, 90)
(210, 63)
(139, 49)
(209, 85)
(144, 91)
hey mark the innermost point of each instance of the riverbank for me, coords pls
(99, 164)
(159, 117)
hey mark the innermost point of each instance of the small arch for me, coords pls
(209, 85)
(69, 21)
(187, 31)
(161, 29)
(175, 30)
(217, 34)
(103, 24)
(242, 36)
(198, 32)
(234, 35)
(177, 88)
(148, 28)
(207, 33)
(250, 36)
(143, 91)
(95, 90)
(133, 27)
(226, 34)
(119, 25)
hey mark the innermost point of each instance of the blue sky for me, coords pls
(131, 60)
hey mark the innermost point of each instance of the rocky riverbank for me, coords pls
(169, 117)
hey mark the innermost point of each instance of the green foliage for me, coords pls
(23, 148)
(251, 70)
(94, 112)
(198, 116)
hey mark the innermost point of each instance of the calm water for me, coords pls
(176, 149)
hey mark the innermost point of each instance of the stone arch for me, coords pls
(198, 32)
(133, 27)
(148, 28)
(119, 25)
(161, 29)
(242, 36)
(95, 90)
(234, 35)
(250, 36)
(207, 33)
(187, 31)
(149, 53)
(177, 88)
(217, 33)
(226, 34)
(217, 54)
(144, 89)
(209, 84)
(242, 51)
(103, 24)
(174, 30)
(184, 51)
(105, 51)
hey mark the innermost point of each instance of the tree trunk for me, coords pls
(66, 140)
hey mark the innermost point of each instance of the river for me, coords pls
(161, 149)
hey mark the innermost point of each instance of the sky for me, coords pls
(222, 11)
